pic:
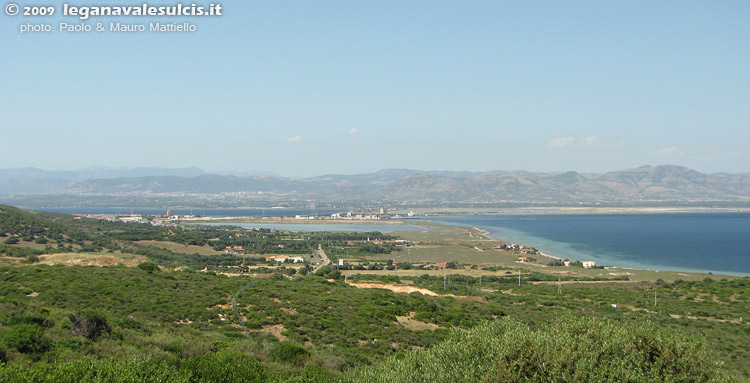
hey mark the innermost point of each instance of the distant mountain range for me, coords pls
(36, 181)
(644, 185)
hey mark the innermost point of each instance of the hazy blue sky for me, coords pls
(311, 87)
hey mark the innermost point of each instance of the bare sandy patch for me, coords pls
(710, 319)
(412, 289)
(274, 330)
(394, 288)
(410, 323)
(633, 308)
(289, 310)
(92, 259)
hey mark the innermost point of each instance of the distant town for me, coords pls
(172, 219)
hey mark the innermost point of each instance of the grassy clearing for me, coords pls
(436, 232)
(446, 253)
(180, 248)
(31, 245)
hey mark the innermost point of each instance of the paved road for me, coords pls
(324, 258)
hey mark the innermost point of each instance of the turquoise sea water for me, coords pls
(697, 242)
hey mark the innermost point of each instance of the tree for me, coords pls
(335, 274)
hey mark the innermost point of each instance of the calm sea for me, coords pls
(700, 242)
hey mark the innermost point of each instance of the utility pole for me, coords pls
(519, 278)
(445, 282)
(654, 295)
(559, 284)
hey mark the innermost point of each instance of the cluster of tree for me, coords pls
(17, 225)
(360, 249)
(61, 234)
(266, 241)
(218, 262)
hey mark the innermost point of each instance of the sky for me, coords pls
(304, 88)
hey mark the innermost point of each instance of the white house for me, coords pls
(588, 264)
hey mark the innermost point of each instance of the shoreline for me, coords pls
(294, 221)
(677, 269)
(551, 210)
(482, 232)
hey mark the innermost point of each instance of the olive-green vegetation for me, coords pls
(715, 309)
(566, 350)
(162, 321)
(31, 234)
(181, 322)
(353, 326)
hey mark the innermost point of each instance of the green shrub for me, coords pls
(128, 323)
(288, 352)
(219, 368)
(27, 339)
(224, 366)
(13, 318)
(568, 350)
(312, 375)
(149, 267)
(86, 370)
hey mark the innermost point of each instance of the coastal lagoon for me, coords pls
(690, 242)
(321, 226)
(203, 212)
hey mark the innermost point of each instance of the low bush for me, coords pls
(27, 339)
(148, 267)
(568, 350)
(288, 352)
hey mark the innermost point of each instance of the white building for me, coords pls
(588, 264)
